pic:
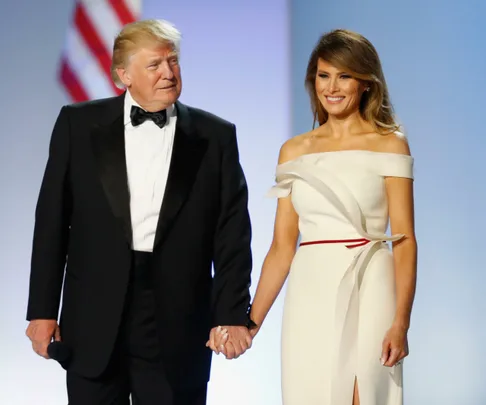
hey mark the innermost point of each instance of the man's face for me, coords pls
(153, 76)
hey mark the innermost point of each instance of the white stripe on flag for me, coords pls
(85, 66)
(104, 21)
(135, 6)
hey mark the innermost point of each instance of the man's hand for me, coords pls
(40, 332)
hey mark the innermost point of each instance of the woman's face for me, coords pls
(339, 93)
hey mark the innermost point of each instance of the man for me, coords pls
(140, 196)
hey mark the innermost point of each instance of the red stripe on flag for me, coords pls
(122, 11)
(71, 83)
(94, 43)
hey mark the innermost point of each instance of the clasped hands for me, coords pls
(232, 341)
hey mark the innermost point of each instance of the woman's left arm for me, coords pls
(401, 211)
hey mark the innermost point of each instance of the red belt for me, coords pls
(350, 243)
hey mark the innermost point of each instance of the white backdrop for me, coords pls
(234, 64)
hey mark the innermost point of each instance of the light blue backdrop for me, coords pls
(433, 58)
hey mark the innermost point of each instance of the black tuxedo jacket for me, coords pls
(83, 236)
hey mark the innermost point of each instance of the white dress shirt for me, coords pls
(148, 150)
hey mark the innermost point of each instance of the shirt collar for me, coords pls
(130, 101)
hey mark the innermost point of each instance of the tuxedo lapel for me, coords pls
(108, 142)
(187, 154)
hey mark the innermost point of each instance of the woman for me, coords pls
(349, 296)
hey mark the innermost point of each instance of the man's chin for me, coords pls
(167, 97)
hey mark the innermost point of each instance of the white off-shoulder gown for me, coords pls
(340, 298)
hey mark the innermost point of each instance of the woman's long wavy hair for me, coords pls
(355, 55)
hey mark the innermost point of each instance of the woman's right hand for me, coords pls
(217, 339)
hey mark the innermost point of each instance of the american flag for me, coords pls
(86, 58)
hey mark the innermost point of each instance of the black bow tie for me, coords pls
(138, 116)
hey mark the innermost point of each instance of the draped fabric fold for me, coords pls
(347, 298)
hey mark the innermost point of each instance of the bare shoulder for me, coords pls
(293, 148)
(396, 142)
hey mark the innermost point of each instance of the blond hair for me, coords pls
(137, 34)
(354, 54)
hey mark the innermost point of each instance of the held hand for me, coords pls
(395, 346)
(239, 341)
(40, 332)
(217, 339)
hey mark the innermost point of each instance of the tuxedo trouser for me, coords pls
(135, 368)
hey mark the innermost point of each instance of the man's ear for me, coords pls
(124, 76)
